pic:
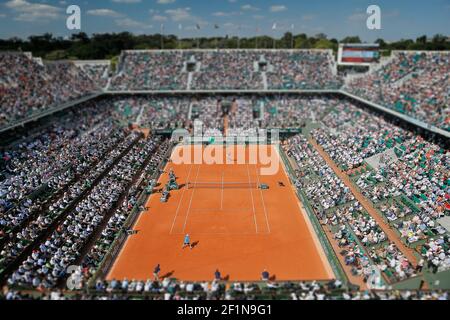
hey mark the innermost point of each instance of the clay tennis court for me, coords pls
(237, 227)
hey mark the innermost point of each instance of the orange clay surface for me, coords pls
(238, 231)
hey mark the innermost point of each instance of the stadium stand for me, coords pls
(28, 86)
(303, 69)
(70, 189)
(98, 71)
(413, 83)
(151, 70)
(409, 187)
(337, 209)
(227, 70)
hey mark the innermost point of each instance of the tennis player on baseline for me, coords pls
(187, 242)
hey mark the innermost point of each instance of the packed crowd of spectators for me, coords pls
(151, 70)
(227, 70)
(414, 194)
(48, 264)
(116, 224)
(304, 69)
(411, 190)
(413, 83)
(293, 112)
(99, 72)
(49, 160)
(336, 208)
(24, 234)
(353, 135)
(174, 290)
(209, 112)
(39, 217)
(28, 86)
(83, 167)
(161, 113)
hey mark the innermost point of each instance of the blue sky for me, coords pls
(400, 18)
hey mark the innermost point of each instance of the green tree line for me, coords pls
(108, 45)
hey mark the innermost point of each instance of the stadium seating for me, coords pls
(411, 190)
(147, 70)
(226, 70)
(44, 267)
(173, 290)
(336, 207)
(413, 83)
(305, 69)
(28, 86)
(98, 71)
(69, 188)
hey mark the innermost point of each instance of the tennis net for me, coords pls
(222, 185)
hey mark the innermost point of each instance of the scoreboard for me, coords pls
(358, 54)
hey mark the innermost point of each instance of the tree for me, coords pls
(104, 46)
(422, 39)
(439, 38)
(81, 36)
(287, 40)
(324, 44)
(381, 43)
(352, 39)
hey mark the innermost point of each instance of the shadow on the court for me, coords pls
(195, 244)
(168, 275)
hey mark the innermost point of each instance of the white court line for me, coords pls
(221, 194)
(262, 198)
(253, 201)
(205, 210)
(190, 202)
(181, 200)
(222, 234)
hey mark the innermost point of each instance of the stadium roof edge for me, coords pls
(226, 50)
(88, 62)
(158, 92)
(421, 51)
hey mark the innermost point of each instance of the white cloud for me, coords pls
(308, 17)
(31, 12)
(249, 7)
(229, 24)
(159, 18)
(103, 13)
(130, 23)
(127, 1)
(181, 14)
(226, 14)
(165, 1)
(278, 8)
